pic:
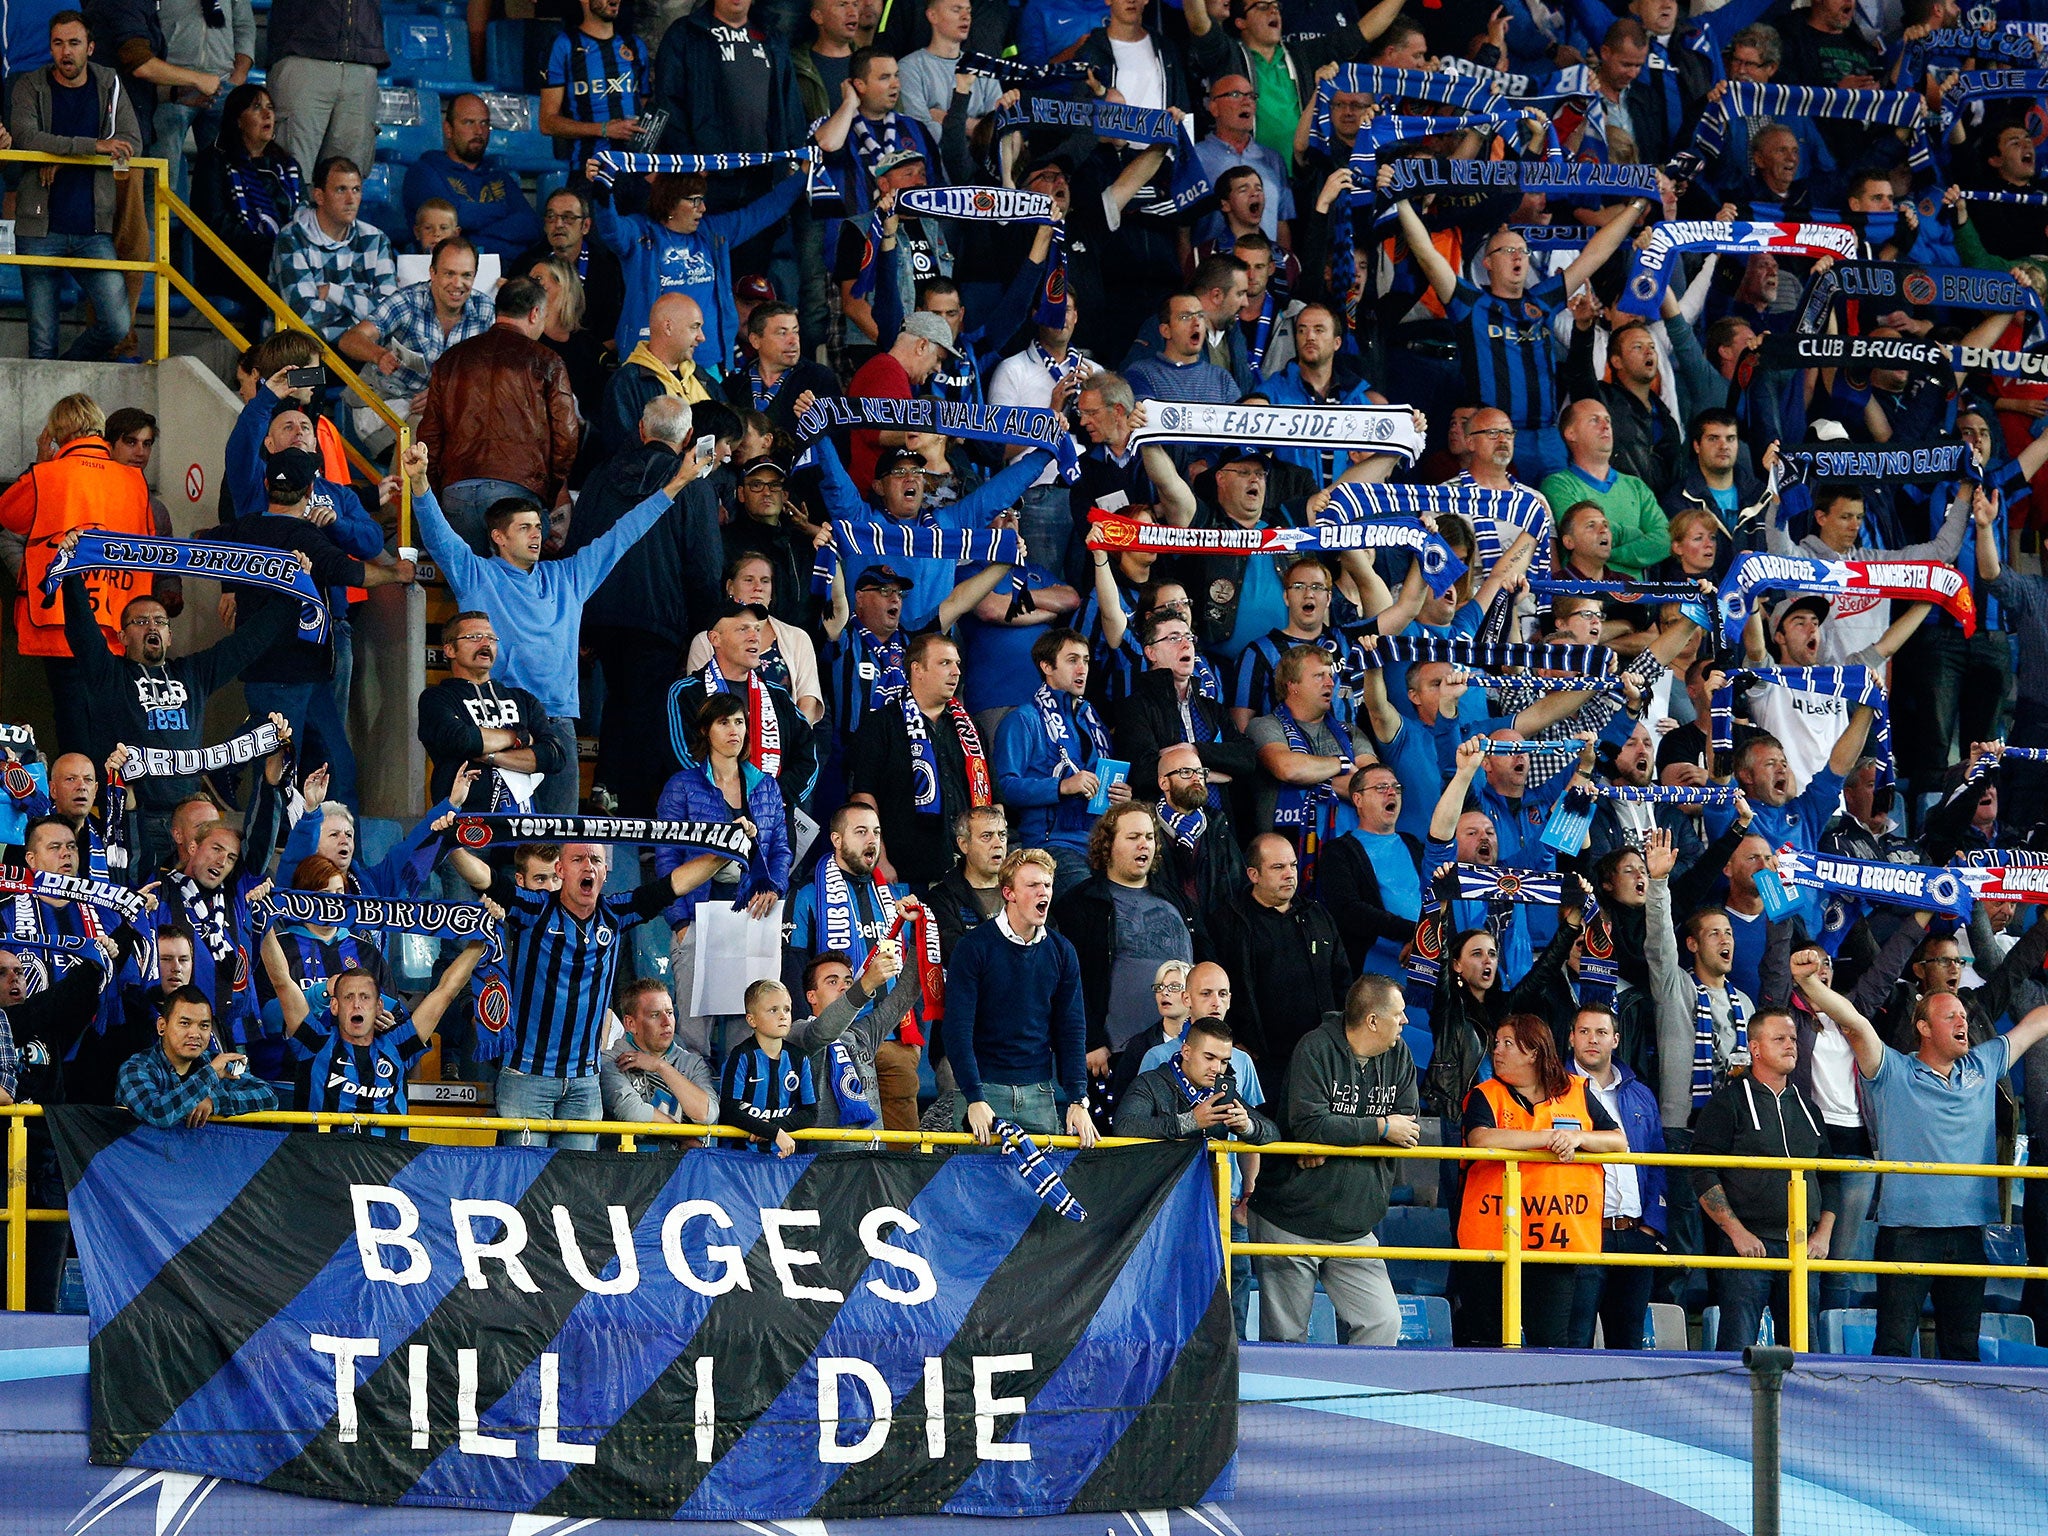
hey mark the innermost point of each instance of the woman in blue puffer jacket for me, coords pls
(719, 784)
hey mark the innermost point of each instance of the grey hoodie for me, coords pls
(1335, 1098)
(29, 122)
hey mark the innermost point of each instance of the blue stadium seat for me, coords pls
(549, 183)
(1251, 1314)
(401, 106)
(1425, 1322)
(505, 55)
(1322, 1319)
(1417, 1226)
(512, 111)
(2004, 1245)
(425, 48)
(383, 205)
(1996, 1351)
(528, 152)
(2006, 1328)
(402, 146)
(1853, 1331)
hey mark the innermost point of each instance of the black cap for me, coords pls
(729, 608)
(762, 461)
(889, 459)
(878, 576)
(1238, 454)
(290, 473)
(1058, 163)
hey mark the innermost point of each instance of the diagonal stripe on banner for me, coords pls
(274, 1383)
(507, 1327)
(296, 1228)
(1169, 1282)
(104, 1153)
(781, 1448)
(1124, 1190)
(1156, 1445)
(748, 1334)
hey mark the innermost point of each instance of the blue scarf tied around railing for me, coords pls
(250, 565)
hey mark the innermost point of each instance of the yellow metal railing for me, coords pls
(1511, 1256)
(167, 276)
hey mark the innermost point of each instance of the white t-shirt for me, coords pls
(1021, 379)
(1140, 77)
(1834, 1076)
(1808, 724)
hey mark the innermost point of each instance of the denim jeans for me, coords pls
(1618, 1298)
(560, 793)
(1028, 1106)
(317, 727)
(1855, 1234)
(1743, 1294)
(1958, 1299)
(466, 501)
(106, 291)
(168, 138)
(1953, 690)
(522, 1096)
(1070, 865)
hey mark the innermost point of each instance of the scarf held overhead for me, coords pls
(456, 922)
(1650, 267)
(726, 837)
(158, 763)
(1029, 426)
(1913, 581)
(1371, 428)
(247, 564)
(1441, 566)
(1893, 282)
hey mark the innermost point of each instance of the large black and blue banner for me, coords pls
(703, 1335)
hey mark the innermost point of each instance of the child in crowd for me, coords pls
(434, 223)
(766, 1091)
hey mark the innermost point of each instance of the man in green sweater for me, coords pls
(1351, 1083)
(1642, 537)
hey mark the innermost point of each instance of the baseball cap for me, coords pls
(889, 460)
(1791, 605)
(878, 576)
(1238, 454)
(759, 462)
(755, 289)
(731, 609)
(1058, 163)
(290, 472)
(897, 158)
(926, 326)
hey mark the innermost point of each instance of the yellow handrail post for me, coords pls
(163, 262)
(404, 488)
(17, 1213)
(1795, 1246)
(1223, 1208)
(1511, 1245)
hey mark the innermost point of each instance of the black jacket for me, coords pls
(346, 31)
(1213, 871)
(160, 706)
(1087, 916)
(788, 549)
(1351, 890)
(1152, 1107)
(674, 577)
(800, 760)
(953, 905)
(604, 287)
(1287, 969)
(453, 715)
(1745, 1119)
(781, 407)
(686, 69)
(1148, 722)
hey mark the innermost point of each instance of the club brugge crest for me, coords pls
(1917, 287)
(241, 968)
(471, 835)
(1429, 941)
(494, 1005)
(1173, 418)
(1509, 887)
(984, 202)
(20, 782)
(1643, 285)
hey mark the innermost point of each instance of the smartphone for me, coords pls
(314, 377)
(706, 454)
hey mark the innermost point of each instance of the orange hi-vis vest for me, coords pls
(334, 467)
(1561, 1202)
(80, 488)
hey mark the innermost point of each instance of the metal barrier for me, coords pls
(167, 276)
(1511, 1255)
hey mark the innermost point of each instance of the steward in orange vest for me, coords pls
(1561, 1202)
(80, 487)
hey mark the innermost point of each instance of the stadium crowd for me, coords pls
(1247, 571)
